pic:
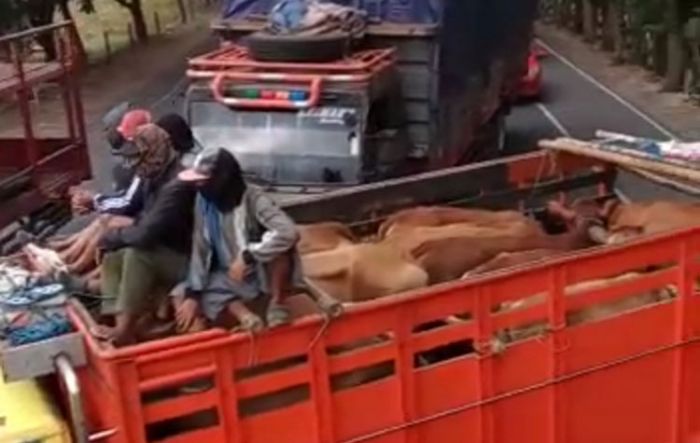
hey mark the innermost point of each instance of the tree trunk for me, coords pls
(615, 22)
(79, 46)
(41, 14)
(140, 27)
(183, 10)
(589, 21)
(675, 66)
(608, 41)
(577, 17)
(139, 21)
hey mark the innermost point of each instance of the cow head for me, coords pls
(582, 220)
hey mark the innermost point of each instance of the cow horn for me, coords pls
(598, 234)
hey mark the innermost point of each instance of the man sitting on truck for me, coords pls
(144, 260)
(243, 245)
(79, 249)
(180, 136)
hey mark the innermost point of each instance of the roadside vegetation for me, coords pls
(100, 24)
(661, 35)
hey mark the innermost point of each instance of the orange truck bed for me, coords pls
(629, 378)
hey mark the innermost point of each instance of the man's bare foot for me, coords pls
(61, 243)
(113, 335)
(103, 332)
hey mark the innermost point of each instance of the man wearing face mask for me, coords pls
(126, 182)
(144, 260)
(243, 244)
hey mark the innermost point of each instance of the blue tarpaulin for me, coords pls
(392, 11)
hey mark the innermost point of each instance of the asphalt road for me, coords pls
(574, 104)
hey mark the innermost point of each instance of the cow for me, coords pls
(448, 252)
(436, 216)
(588, 314)
(647, 218)
(362, 272)
(510, 259)
(625, 221)
(326, 236)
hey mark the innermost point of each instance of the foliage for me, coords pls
(625, 27)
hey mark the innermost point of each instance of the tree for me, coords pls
(675, 67)
(588, 12)
(136, 10)
(11, 15)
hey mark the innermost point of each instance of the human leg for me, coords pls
(146, 276)
(279, 272)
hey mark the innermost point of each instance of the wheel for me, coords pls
(298, 48)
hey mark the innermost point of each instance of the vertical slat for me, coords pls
(59, 41)
(131, 418)
(405, 372)
(485, 379)
(321, 392)
(228, 399)
(686, 283)
(556, 342)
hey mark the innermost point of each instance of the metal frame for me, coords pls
(231, 64)
(70, 382)
(22, 79)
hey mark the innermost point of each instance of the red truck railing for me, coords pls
(632, 377)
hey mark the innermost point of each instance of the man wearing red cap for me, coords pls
(84, 201)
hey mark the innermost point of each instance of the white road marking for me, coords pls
(608, 91)
(553, 120)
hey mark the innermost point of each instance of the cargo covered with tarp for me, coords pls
(458, 62)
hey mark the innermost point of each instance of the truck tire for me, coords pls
(294, 48)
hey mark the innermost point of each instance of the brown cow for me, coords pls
(321, 237)
(363, 272)
(510, 259)
(590, 313)
(435, 216)
(649, 217)
(447, 253)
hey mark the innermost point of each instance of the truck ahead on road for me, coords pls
(428, 87)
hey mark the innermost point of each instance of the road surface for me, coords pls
(574, 104)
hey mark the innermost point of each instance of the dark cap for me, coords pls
(202, 167)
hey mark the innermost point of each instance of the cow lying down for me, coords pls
(418, 247)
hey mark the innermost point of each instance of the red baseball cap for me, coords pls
(131, 121)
